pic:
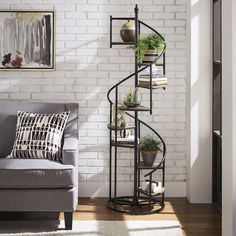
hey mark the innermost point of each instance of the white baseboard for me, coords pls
(100, 189)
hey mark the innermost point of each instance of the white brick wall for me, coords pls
(85, 69)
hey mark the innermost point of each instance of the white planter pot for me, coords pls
(150, 56)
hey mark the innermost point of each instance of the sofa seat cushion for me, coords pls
(37, 173)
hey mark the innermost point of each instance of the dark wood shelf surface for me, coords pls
(123, 18)
(112, 127)
(124, 145)
(148, 63)
(153, 87)
(137, 108)
(141, 166)
(122, 43)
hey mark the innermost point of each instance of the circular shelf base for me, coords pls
(126, 204)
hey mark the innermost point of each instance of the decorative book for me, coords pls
(158, 81)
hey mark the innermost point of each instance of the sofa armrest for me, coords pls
(70, 152)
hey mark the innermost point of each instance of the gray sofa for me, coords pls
(38, 185)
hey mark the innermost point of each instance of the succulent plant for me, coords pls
(132, 98)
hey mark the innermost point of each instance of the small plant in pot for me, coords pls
(149, 47)
(149, 147)
(132, 98)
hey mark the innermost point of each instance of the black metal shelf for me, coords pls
(134, 204)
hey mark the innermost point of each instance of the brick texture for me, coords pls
(86, 68)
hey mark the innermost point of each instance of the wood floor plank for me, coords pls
(195, 219)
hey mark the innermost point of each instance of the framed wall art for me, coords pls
(27, 40)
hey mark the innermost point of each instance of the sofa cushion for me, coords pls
(39, 135)
(37, 173)
(8, 119)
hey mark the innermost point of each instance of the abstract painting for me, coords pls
(27, 40)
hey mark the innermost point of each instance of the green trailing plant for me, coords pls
(148, 143)
(145, 42)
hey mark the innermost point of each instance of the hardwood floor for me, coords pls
(195, 219)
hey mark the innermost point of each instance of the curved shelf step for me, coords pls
(145, 64)
(124, 145)
(123, 43)
(122, 18)
(143, 206)
(143, 167)
(137, 108)
(152, 194)
(153, 87)
(112, 127)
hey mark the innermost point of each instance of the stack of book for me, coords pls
(156, 187)
(158, 81)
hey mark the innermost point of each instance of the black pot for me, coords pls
(127, 32)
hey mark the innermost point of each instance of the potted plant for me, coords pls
(149, 47)
(149, 147)
(132, 98)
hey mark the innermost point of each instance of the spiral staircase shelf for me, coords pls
(136, 203)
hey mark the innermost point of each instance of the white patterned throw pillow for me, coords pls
(39, 135)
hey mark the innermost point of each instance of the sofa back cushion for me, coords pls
(8, 117)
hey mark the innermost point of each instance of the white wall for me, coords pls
(199, 93)
(228, 119)
(85, 69)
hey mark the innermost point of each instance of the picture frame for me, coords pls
(27, 40)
